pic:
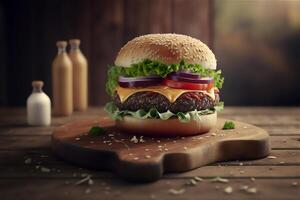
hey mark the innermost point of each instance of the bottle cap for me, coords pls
(61, 44)
(37, 84)
(74, 41)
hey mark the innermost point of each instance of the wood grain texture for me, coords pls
(148, 159)
(106, 40)
(32, 142)
(193, 17)
(273, 177)
(68, 171)
(46, 156)
(115, 189)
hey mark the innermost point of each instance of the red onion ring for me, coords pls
(143, 81)
(204, 80)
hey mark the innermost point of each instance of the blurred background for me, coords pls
(256, 42)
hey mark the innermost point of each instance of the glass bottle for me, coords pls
(62, 83)
(38, 106)
(80, 76)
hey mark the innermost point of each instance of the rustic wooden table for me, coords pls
(29, 170)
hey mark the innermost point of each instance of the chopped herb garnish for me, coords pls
(96, 131)
(228, 125)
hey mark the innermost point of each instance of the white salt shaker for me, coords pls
(38, 106)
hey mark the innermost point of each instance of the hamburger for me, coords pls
(164, 84)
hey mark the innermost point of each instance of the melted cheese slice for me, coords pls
(170, 93)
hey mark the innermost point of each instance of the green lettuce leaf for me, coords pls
(149, 67)
(117, 114)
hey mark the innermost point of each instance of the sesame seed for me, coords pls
(228, 190)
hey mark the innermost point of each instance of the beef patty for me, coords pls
(146, 100)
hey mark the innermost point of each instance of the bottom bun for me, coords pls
(170, 127)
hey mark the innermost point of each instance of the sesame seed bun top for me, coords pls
(166, 48)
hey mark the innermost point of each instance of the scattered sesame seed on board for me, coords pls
(147, 156)
(134, 139)
(197, 178)
(295, 183)
(85, 179)
(185, 148)
(228, 190)
(28, 161)
(244, 187)
(272, 157)
(252, 179)
(191, 182)
(176, 191)
(87, 191)
(136, 158)
(220, 180)
(142, 140)
(147, 149)
(252, 190)
(77, 139)
(44, 169)
(90, 182)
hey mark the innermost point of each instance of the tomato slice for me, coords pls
(187, 86)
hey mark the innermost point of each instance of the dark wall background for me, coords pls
(256, 42)
(29, 30)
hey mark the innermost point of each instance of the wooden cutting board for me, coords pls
(149, 158)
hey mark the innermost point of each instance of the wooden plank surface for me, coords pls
(72, 143)
(277, 177)
(116, 189)
(69, 171)
(45, 156)
(31, 142)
